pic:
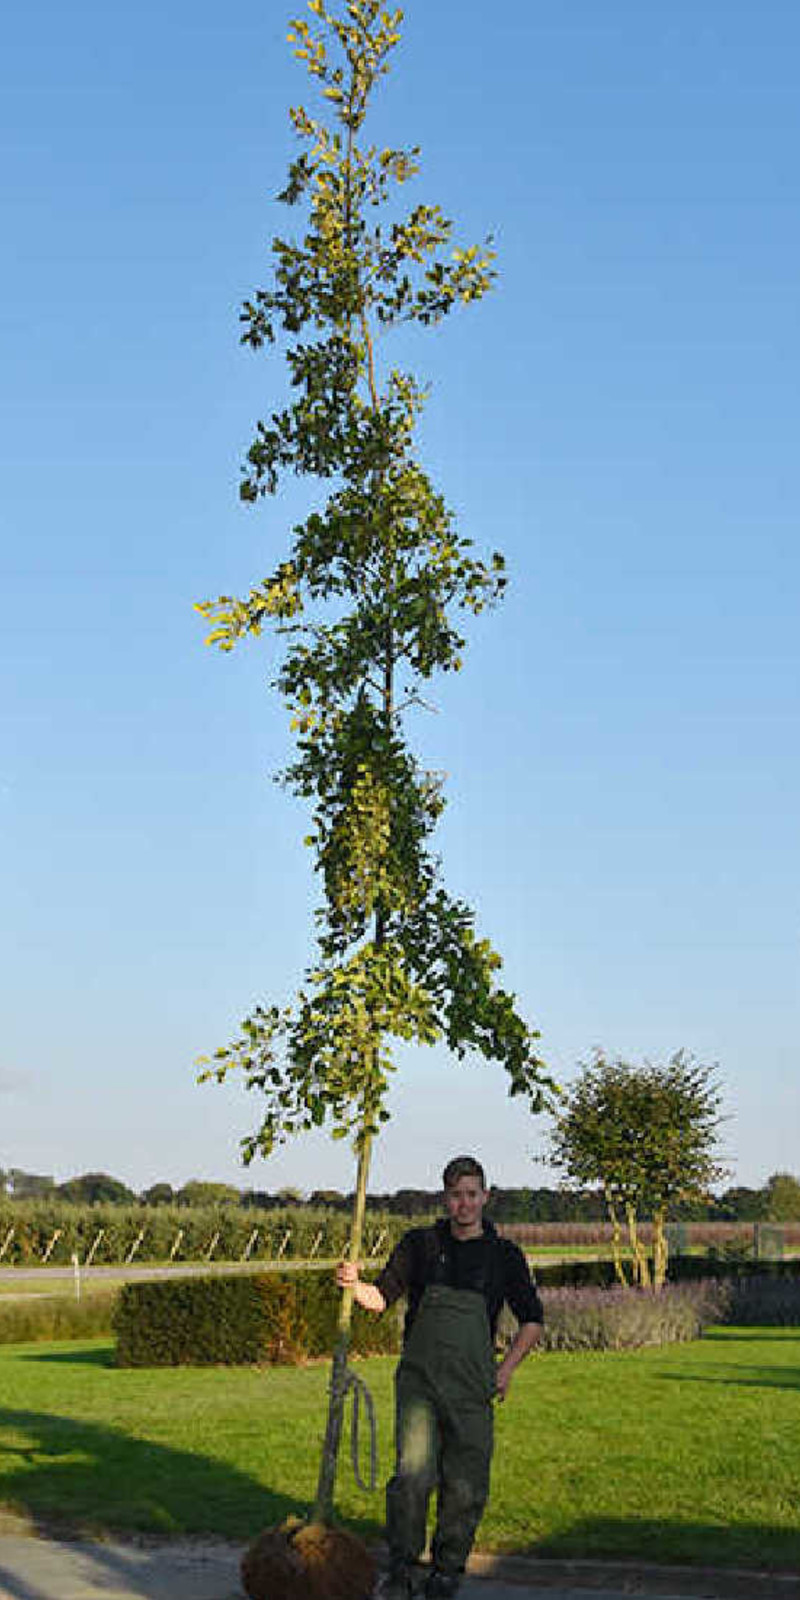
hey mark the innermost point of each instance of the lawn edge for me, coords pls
(637, 1577)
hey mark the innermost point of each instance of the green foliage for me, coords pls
(159, 1194)
(575, 1274)
(367, 604)
(95, 1188)
(198, 1193)
(35, 1224)
(646, 1134)
(688, 1269)
(600, 1274)
(764, 1300)
(741, 1203)
(782, 1198)
(248, 1318)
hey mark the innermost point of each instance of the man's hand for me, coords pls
(503, 1379)
(347, 1274)
(527, 1337)
(364, 1294)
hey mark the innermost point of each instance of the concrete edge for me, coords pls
(637, 1577)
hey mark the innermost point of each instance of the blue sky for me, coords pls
(620, 417)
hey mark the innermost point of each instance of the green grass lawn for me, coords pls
(688, 1453)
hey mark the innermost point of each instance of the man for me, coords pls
(456, 1277)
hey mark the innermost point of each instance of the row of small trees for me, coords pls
(33, 1233)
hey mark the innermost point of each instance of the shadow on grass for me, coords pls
(742, 1378)
(81, 1476)
(104, 1356)
(759, 1547)
(785, 1333)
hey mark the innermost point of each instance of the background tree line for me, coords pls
(778, 1200)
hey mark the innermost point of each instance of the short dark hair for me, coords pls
(463, 1167)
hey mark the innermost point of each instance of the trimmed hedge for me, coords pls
(289, 1318)
(762, 1301)
(250, 1318)
(575, 1275)
(681, 1269)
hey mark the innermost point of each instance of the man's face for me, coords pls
(465, 1200)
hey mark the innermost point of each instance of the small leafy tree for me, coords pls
(366, 602)
(647, 1135)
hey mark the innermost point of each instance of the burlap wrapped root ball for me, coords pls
(307, 1561)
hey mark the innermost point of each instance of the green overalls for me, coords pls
(445, 1384)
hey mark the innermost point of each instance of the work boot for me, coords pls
(396, 1584)
(441, 1585)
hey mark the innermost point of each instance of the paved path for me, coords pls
(33, 1568)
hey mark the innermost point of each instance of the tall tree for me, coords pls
(647, 1135)
(366, 602)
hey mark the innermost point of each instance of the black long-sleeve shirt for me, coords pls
(487, 1265)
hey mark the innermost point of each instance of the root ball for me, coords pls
(306, 1561)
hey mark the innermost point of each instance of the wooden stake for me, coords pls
(323, 1505)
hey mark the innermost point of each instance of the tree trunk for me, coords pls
(616, 1237)
(641, 1268)
(323, 1505)
(660, 1251)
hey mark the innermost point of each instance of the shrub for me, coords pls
(697, 1234)
(689, 1269)
(765, 1300)
(246, 1318)
(575, 1275)
(627, 1319)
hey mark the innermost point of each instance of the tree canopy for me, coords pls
(96, 1188)
(366, 604)
(782, 1198)
(647, 1134)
